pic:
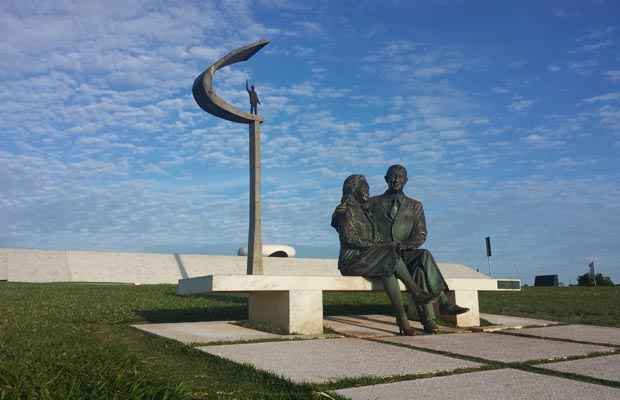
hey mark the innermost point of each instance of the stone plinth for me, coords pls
(295, 311)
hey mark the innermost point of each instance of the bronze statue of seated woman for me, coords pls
(364, 253)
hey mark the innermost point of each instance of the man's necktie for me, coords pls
(394, 209)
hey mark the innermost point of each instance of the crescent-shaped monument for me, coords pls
(204, 92)
(209, 101)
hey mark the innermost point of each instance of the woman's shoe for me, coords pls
(406, 332)
(402, 331)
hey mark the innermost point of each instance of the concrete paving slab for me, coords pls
(515, 322)
(606, 367)
(496, 347)
(583, 333)
(205, 332)
(332, 359)
(505, 384)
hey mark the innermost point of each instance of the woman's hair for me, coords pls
(350, 186)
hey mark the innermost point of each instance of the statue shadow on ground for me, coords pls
(357, 309)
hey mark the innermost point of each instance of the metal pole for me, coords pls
(489, 261)
(255, 243)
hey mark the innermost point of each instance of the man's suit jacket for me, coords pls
(409, 224)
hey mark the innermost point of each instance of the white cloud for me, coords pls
(518, 64)
(283, 4)
(609, 116)
(303, 89)
(388, 119)
(596, 34)
(308, 27)
(303, 51)
(319, 72)
(554, 68)
(559, 12)
(583, 67)
(604, 97)
(406, 59)
(613, 75)
(521, 104)
(453, 134)
(206, 53)
(542, 141)
(597, 45)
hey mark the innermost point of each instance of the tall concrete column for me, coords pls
(255, 242)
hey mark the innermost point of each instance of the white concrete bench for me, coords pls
(295, 303)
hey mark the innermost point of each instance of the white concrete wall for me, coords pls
(4, 265)
(37, 266)
(23, 265)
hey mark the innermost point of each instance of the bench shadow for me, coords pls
(233, 307)
(226, 298)
(225, 307)
(162, 316)
(238, 298)
(240, 312)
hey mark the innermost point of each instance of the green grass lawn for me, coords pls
(583, 305)
(73, 341)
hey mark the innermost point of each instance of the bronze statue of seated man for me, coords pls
(381, 237)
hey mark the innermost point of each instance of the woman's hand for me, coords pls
(393, 245)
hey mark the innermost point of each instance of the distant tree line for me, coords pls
(600, 280)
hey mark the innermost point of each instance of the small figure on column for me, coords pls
(254, 101)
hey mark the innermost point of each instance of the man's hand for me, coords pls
(407, 246)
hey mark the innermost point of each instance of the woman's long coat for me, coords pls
(362, 250)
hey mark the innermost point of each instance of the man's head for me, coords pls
(252, 87)
(396, 178)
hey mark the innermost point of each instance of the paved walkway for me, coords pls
(542, 360)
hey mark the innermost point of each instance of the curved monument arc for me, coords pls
(204, 91)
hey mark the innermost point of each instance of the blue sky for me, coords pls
(506, 114)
